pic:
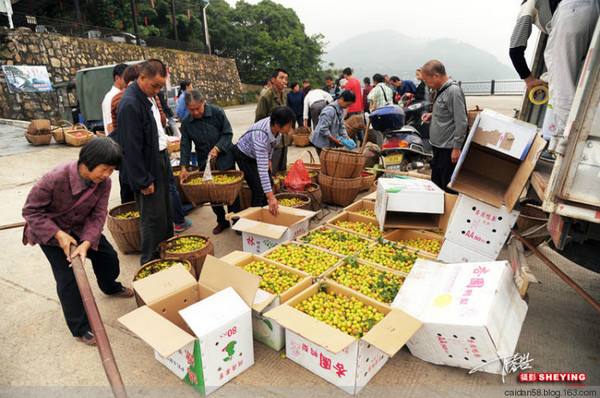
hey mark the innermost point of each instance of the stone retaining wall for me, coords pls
(63, 56)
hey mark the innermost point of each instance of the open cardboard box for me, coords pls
(354, 217)
(262, 231)
(406, 220)
(201, 331)
(264, 330)
(494, 177)
(360, 205)
(339, 358)
(320, 249)
(301, 238)
(397, 235)
(472, 313)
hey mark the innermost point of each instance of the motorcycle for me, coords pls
(403, 147)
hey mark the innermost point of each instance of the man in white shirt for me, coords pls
(314, 102)
(119, 85)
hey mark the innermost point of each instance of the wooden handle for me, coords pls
(364, 143)
(401, 173)
(106, 354)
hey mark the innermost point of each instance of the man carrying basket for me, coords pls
(208, 127)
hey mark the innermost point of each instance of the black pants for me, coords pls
(156, 212)
(220, 210)
(248, 165)
(126, 191)
(105, 263)
(442, 168)
(299, 120)
(279, 159)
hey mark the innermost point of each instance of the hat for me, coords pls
(343, 82)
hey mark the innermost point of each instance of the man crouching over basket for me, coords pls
(68, 206)
(209, 129)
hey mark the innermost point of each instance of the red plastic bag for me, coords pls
(298, 177)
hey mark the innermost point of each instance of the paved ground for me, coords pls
(40, 359)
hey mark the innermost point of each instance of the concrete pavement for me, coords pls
(40, 359)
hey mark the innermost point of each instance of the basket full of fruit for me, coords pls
(295, 200)
(176, 172)
(224, 187)
(313, 191)
(190, 247)
(123, 222)
(155, 266)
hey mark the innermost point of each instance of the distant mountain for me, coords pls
(392, 53)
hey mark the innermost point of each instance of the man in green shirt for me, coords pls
(275, 96)
(208, 127)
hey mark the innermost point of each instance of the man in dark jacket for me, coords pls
(209, 129)
(146, 160)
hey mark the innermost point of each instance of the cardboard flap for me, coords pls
(218, 275)
(164, 283)
(156, 331)
(262, 300)
(236, 256)
(260, 228)
(392, 332)
(310, 328)
(514, 190)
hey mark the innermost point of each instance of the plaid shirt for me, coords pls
(57, 191)
(380, 96)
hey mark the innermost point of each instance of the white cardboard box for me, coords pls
(262, 231)
(472, 313)
(201, 331)
(265, 330)
(504, 134)
(454, 253)
(479, 226)
(408, 195)
(339, 358)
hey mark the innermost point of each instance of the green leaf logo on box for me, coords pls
(230, 349)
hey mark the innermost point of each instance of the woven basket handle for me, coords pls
(312, 158)
(61, 124)
(80, 126)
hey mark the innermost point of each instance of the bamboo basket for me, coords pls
(368, 179)
(125, 231)
(177, 169)
(313, 191)
(341, 163)
(58, 132)
(196, 257)
(245, 196)
(38, 139)
(310, 166)
(78, 135)
(38, 132)
(339, 191)
(173, 146)
(307, 202)
(211, 192)
(301, 136)
(136, 277)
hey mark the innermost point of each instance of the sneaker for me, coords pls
(88, 338)
(125, 292)
(220, 228)
(182, 227)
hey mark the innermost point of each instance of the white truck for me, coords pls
(569, 189)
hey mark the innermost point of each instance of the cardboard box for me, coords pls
(320, 249)
(262, 231)
(504, 134)
(397, 235)
(479, 226)
(397, 219)
(351, 249)
(455, 253)
(339, 358)
(472, 313)
(201, 331)
(494, 177)
(265, 330)
(361, 204)
(354, 217)
(409, 195)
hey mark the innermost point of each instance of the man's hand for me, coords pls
(214, 153)
(532, 82)
(149, 190)
(65, 241)
(455, 155)
(273, 205)
(183, 174)
(81, 251)
(426, 118)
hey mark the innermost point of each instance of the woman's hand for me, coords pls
(273, 205)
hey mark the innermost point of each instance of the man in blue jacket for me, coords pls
(146, 160)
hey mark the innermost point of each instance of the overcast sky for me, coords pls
(486, 24)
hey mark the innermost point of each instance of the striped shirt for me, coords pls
(380, 96)
(258, 143)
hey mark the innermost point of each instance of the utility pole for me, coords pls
(206, 38)
(174, 19)
(135, 23)
(79, 18)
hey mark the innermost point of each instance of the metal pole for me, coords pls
(106, 354)
(135, 23)
(557, 270)
(174, 20)
(206, 38)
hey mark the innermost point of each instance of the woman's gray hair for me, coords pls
(192, 96)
